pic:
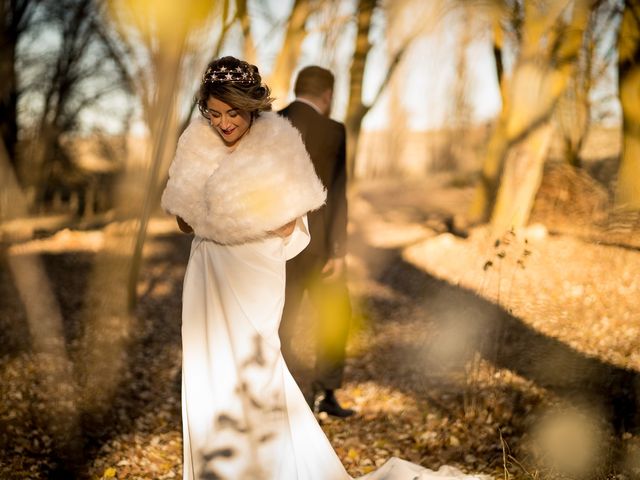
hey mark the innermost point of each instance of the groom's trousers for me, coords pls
(332, 317)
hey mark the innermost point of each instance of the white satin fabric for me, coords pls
(244, 417)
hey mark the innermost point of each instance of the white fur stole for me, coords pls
(237, 196)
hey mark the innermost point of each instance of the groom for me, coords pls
(320, 268)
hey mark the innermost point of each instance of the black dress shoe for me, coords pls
(329, 404)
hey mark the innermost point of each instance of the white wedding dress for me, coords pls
(244, 417)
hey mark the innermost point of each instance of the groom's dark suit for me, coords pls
(325, 140)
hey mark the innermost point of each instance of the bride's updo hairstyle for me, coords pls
(236, 83)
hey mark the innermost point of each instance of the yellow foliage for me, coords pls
(167, 20)
(333, 305)
(353, 454)
(109, 473)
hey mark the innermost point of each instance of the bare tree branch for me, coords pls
(391, 69)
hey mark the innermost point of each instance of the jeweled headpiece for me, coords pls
(243, 76)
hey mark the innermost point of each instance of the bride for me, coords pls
(242, 182)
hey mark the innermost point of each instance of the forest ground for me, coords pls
(514, 354)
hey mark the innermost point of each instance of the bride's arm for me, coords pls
(184, 226)
(285, 230)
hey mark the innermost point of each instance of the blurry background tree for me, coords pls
(551, 40)
(55, 69)
(628, 186)
(64, 82)
(249, 48)
(449, 156)
(287, 59)
(52, 82)
(546, 62)
(15, 17)
(422, 19)
(574, 114)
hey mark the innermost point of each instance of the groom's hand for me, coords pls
(334, 269)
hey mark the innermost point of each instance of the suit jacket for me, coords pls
(325, 141)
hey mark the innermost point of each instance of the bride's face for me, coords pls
(229, 122)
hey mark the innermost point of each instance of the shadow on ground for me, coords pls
(507, 342)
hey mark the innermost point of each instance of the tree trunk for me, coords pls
(628, 185)
(13, 202)
(280, 79)
(521, 179)
(574, 111)
(571, 153)
(574, 108)
(498, 48)
(356, 110)
(249, 49)
(353, 126)
(545, 72)
(9, 35)
(485, 191)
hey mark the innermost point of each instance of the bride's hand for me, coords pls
(285, 230)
